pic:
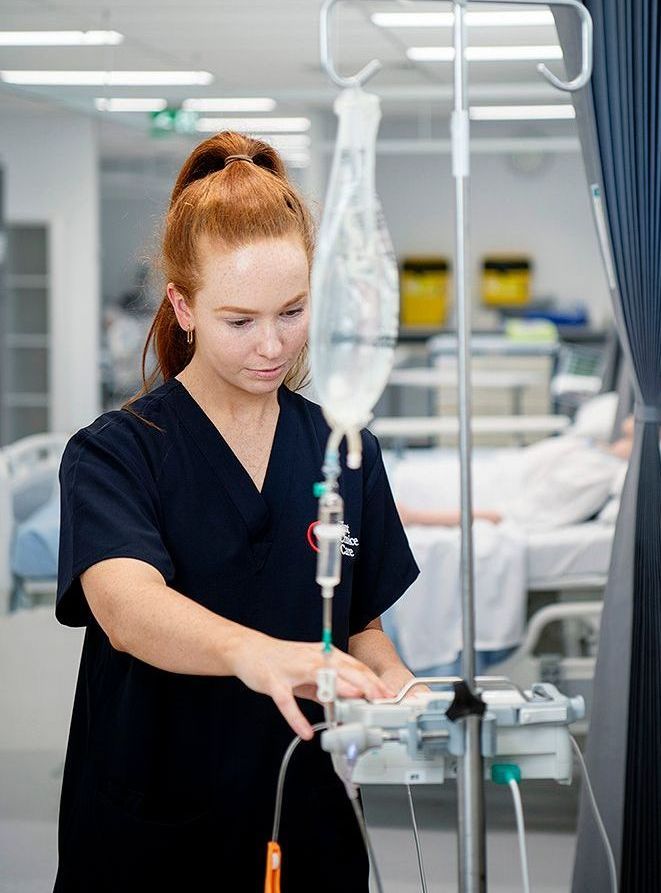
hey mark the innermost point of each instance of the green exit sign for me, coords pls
(173, 120)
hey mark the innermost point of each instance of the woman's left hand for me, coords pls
(397, 677)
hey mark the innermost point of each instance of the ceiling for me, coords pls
(262, 48)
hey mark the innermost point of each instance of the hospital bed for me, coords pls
(29, 512)
(516, 570)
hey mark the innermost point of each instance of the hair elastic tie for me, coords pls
(231, 158)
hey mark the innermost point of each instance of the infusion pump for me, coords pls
(417, 739)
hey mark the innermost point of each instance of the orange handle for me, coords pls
(273, 862)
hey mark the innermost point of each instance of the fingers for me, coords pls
(344, 690)
(286, 704)
(352, 672)
(370, 686)
(347, 690)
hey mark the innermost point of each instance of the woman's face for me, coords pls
(250, 318)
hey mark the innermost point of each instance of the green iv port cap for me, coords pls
(503, 773)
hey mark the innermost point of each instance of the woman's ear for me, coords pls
(180, 307)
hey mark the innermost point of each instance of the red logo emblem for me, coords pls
(310, 536)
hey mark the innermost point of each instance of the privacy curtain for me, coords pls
(619, 121)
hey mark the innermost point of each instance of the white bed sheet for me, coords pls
(427, 618)
(578, 551)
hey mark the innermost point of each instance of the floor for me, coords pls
(29, 785)
(550, 814)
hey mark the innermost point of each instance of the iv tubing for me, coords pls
(612, 869)
(521, 830)
(318, 727)
(416, 837)
(327, 620)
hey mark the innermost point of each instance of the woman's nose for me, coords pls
(270, 343)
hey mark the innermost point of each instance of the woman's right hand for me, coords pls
(285, 670)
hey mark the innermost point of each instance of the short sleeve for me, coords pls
(385, 568)
(109, 509)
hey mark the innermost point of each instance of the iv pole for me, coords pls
(471, 831)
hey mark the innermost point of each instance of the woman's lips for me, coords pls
(268, 373)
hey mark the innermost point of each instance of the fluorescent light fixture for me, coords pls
(413, 19)
(508, 18)
(60, 38)
(118, 104)
(487, 54)
(290, 140)
(107, 78)
(475, 19)
(521, 112)
(513, 54)
(296, 159)
(431, 54)
(230, 104)
(254, 125)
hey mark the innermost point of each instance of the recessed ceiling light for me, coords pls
(486, 54)
(107, 78)
(475, 19)
(521, 112)
(120, 104)
(230, 104)
(59, 38)
(255, 125)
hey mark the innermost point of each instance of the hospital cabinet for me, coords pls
(24, 333)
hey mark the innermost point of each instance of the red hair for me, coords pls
(235, 205)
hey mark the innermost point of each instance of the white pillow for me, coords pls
(596, 417)
(564, 481)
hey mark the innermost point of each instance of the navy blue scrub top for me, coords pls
(170, 779)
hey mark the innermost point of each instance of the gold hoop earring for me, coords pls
(189, 336)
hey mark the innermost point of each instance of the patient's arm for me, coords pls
(443, 518)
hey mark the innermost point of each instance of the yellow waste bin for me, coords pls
(424, 291)
(506, 281)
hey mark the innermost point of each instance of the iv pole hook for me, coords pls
(585, 73)
(357, 80)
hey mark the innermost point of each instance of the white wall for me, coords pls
(546, 215)
(50, 171)
(132, 211)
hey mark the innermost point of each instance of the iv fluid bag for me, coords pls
(355, 289)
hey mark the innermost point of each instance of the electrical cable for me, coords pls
(597, 816)
(521, 830)
(416, 837)
(360, 818)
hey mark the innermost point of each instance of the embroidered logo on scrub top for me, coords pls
(348, 546)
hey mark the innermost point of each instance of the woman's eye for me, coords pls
(237, 323)
(296, 312)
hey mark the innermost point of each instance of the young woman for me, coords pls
(187, 552)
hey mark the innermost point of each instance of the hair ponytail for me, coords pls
(233, 203)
